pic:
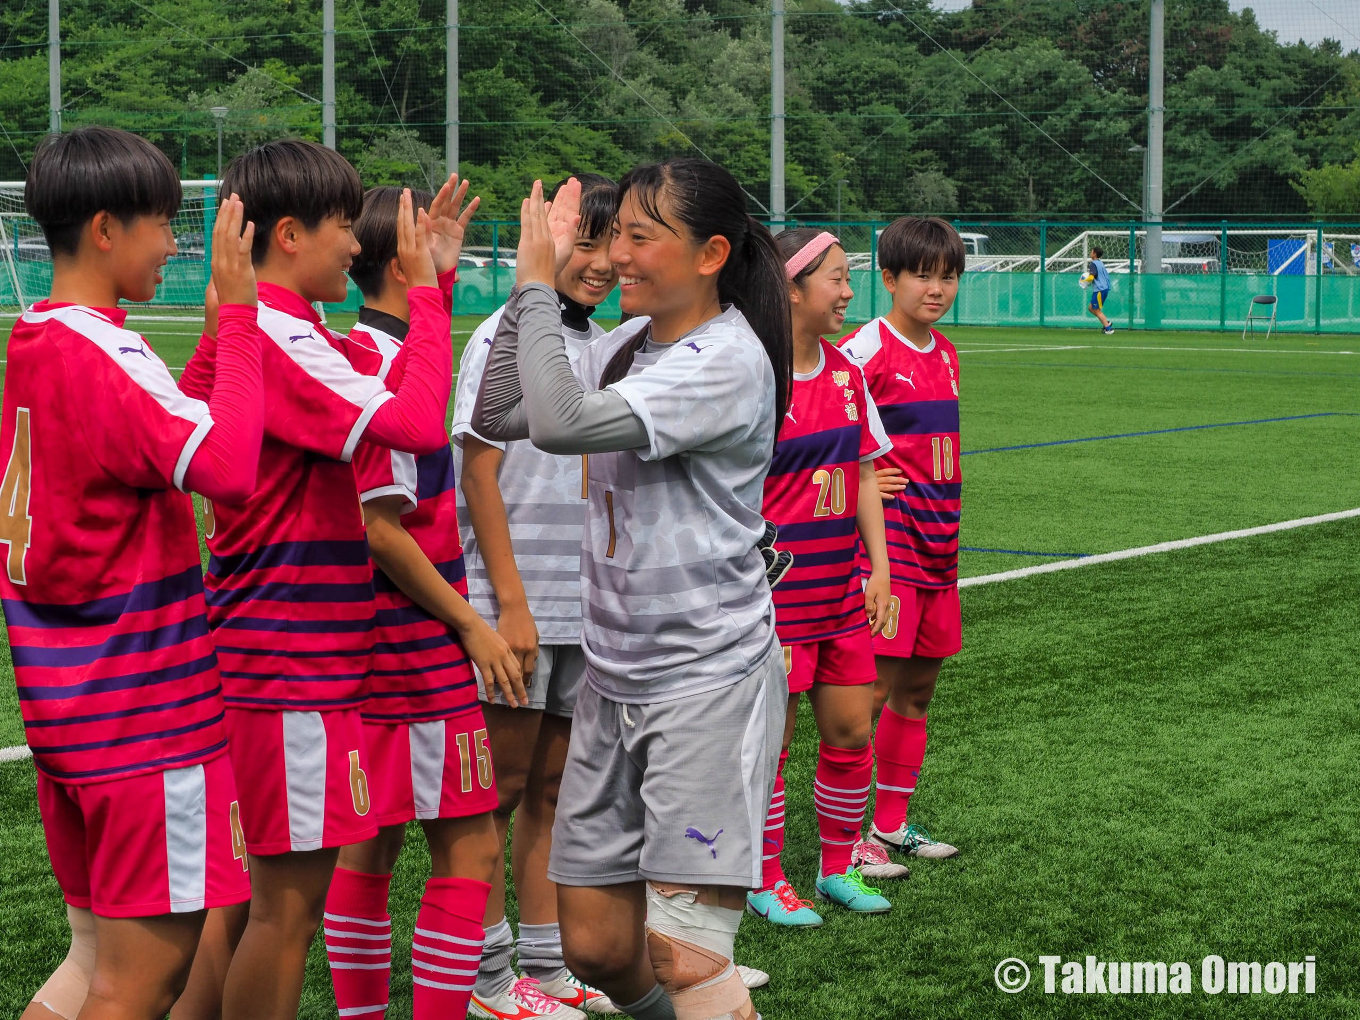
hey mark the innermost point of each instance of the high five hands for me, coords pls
(547, 233)
(447, 226)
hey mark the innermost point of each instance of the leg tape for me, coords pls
(64, 992)
(690, 943)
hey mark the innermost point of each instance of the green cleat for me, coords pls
(851, 891)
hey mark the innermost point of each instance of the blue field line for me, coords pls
(1159, 432)
(1024, 552)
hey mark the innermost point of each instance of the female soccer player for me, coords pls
(676, 733)
(522, 514)
(825, 455)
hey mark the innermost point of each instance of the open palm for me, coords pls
(448, 226)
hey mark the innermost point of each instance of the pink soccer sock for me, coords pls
(900, 747)
(447, 947)
(359, 943)
(773, 844)
(840, 794)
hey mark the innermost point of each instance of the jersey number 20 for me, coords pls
(830, 492)
(16, 527)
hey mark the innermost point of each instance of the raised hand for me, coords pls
(233, 274)
(564, 216)
(448, 227)
(413, 244)
(535, 259)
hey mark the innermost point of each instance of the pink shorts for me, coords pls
(302, 779)
(921, 621)
(845, 661)
(435, 769)
(162, 843)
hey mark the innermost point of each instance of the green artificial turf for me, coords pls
(1151, 759)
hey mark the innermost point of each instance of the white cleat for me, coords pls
(751, 977)
(913, 841)
(523, 1000)
(873, 861)
(571, 990)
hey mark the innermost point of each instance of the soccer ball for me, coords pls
(1085, 281)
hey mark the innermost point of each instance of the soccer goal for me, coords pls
(26, 261)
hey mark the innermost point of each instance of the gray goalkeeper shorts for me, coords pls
(674, 791)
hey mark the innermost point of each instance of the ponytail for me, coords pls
(707, 200)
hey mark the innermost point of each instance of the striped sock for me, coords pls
(447, 947)
(840, 794)
(773, 845)
(900, 747)
(359, 943)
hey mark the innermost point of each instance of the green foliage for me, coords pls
(1030, 107)
(1332, 189)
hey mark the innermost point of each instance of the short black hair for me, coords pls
(292, 178)
(1097, 253)
(793, 240)
(94, 169)
(599, 202)
(912, 244)
(376, 231)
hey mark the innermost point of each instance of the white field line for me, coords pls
(1007, 350)
(1160, 547)
(21, 751)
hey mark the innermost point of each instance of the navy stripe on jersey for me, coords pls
(831, 527)
(288, 591)
(935, 490)
(104, 685)
(920, 417)
(292, 554)
(451, 571)
(104, 611)
(131, 738)
(434, 473)
(154, 639)
(158, 764)
(127, 713)
(817, 449)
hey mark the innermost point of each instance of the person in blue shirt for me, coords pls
(1097, 274)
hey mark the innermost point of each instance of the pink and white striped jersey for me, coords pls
(290, 583)
(420, 669)
(102, 589)
(917, 393)
(812, 493)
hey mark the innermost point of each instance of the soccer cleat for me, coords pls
(850, 891)
(1108, 330)
(782, 906)
(752, 977)
(777, 561)
(568, 988)
(523, 1000)
(873, 861)
(913, 841)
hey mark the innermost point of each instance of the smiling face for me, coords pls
(323, 256)
(139, 248)
(924, 295)
(589, 276)
(663, 272)
(820, 299)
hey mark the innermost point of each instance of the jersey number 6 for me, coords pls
(16, 527)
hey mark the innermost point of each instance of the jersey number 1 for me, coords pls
(16, 527)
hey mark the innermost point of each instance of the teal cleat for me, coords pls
(851, 891)
(782, 906)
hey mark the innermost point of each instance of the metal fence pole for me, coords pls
(1133, 284)
(54, 65)
(1223, 277)
(873, 270)
(450, 86)
(328, 74)
(1043, 268)
(777, 116)
(1317, 287)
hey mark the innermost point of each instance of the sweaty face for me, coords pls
(824, 295)
(589, 276)
(925, 295)
(142, 246)
(325, 254)
(657, 267)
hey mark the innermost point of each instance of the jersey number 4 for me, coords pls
(16, 527)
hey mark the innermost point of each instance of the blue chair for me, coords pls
(1264, 301)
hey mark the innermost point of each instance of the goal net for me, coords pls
(26, 261)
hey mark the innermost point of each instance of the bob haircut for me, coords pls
(599, 203)
(914, 245)
(90, 170)
(292, 178)
(376, 231)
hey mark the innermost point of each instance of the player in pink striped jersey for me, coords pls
(102, 589)
(824, 456)
(913, 374)
(423, 727)
(290, 583)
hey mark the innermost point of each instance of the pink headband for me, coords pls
(803, 257)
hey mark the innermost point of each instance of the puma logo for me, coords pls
(135, 350)
(698, 350)
(300, 336)
(693, 833)
(907, 378)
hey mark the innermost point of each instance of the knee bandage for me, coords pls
(690, 940)
(65, 991)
